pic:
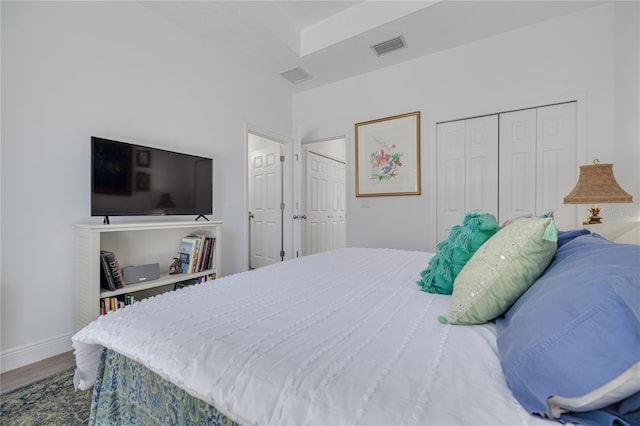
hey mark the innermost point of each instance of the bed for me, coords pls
(341, 338)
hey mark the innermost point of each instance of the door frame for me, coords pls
(287, 191)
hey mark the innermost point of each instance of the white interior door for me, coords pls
(318, 208)
(265, 201)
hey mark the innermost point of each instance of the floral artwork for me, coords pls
(388, 156)
(385, 164)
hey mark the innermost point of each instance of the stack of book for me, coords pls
(196, 253)
(111, 276)
(109, 304)
(193, 281)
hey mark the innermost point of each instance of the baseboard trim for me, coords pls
(32, 353)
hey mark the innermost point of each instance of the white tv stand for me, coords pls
(133, 244)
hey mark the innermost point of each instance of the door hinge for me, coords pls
(281, 253)
(282, 158)
(281, 206)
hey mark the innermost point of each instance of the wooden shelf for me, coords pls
(165, 279)
(133, 244)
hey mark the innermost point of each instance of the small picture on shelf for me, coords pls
(175, 267)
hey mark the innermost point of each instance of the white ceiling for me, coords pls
(331, 40)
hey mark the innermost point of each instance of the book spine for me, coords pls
(212, 256)
(205, 255)
(119, 280)
(198, 255)
(115, 271)
(201, 258)
(109, 283)
(192, 259)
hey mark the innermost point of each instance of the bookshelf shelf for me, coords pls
(165, 279)
(133, 244)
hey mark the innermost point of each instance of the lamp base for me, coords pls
(594, 218)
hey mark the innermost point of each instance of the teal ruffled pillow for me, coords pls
(454, 252)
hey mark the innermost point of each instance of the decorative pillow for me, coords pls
(502, 270)
(454, 252)
(570, 346)
(565, 236)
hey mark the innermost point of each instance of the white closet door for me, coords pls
(538, 150)
(467, 175)
(451, 176)
(517, 187)
(557, 170)
(337, 214)
(482, 164)
(318, 204)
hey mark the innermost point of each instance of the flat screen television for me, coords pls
(133, 180)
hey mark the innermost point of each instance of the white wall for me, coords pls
(71, 70)
(571, 57)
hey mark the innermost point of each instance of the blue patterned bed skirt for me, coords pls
(127, 393)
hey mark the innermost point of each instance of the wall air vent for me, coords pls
(389, 45)
(296, 75)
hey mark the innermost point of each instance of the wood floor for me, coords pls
(30, 373)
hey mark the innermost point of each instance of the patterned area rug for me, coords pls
(50, 401)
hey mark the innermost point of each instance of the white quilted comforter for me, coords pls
(342, 337)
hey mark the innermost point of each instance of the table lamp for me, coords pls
(596, 184)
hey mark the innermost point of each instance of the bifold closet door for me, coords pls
(467, 170)
(538, 162)
(557, 171)
(517, 186)
(326, 226)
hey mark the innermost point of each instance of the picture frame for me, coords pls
(388, 156)
(142, 181)
(143, 158)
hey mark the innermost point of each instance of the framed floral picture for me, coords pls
(388, 156)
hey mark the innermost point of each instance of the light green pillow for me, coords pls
(502, 269)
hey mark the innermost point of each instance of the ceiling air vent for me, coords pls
(296, 75)
(389, 45)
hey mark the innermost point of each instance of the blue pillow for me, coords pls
(570, 346)
(565, 236)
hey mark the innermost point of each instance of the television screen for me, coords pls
(130, 180)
